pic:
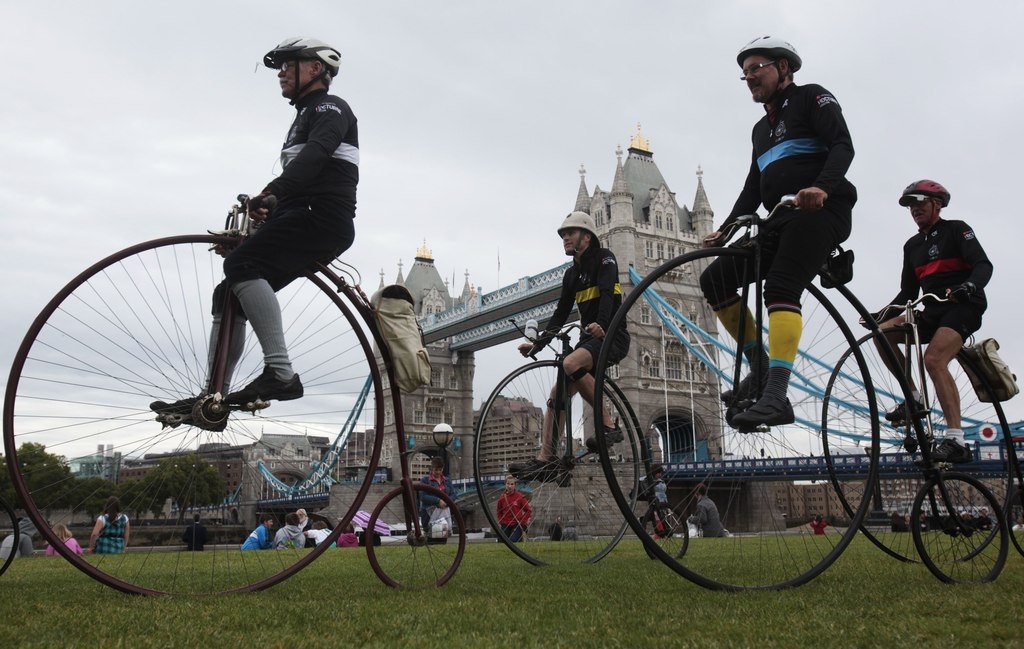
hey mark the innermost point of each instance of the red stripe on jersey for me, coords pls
(941, 266)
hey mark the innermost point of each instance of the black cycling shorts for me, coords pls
(965, 319)
(619, 348)
(287, 245)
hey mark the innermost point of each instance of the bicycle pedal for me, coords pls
(760, 428)
(253, 406)
(172, 421)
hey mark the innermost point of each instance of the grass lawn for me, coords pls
(496, 600)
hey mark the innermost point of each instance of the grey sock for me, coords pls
(778, 382)
(234, 352)
(260, 305)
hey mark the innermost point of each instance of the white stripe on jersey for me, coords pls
(345, 152)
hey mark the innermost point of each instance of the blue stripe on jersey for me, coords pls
(790, 148)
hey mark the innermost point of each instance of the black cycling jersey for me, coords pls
(945, 256)
(804, 143)
(591, 283)
(320, 157)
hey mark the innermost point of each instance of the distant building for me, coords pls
(640, 219)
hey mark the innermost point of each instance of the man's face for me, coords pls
(510, 486)
(925, 213)
(573, 240)
(762, 77)
(286, 75)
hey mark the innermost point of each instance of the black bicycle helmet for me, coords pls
(920, 189)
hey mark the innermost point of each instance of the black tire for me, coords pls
(947, 533)
(745, 473)
(132, 329)
(7, 513)
(508, 432)
(414, 558)
(899, 479)
(669, 529)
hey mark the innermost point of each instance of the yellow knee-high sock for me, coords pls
(784, 329)
(729, 316)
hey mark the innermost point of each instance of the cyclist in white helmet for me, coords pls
(801, 147)
(592, 284)
(312, 221)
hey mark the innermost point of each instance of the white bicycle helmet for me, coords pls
(580, 221)
(291, 49)
(773, 48)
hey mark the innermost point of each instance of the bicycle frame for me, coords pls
(238, 224)
(561, 405)
(913, 353)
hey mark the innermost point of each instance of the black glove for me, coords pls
(963, 293)
(263, 200)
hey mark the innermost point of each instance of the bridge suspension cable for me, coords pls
(320, 471)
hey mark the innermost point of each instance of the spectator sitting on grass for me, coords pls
(290, 536)
(348, 538)
(259, 538)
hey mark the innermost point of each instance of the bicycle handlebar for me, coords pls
(748, 220)
(544, 337)
(883, 314)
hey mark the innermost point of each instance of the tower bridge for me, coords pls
(671, 376)
(483, 321)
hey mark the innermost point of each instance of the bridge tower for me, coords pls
(449, 396)
(641, 221)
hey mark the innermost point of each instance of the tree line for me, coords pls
(188, 480)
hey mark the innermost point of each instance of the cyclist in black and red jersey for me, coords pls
(592, 284)
(313, 219)
(801, 147)
(944, 258)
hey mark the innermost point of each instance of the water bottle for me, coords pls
(531, 329)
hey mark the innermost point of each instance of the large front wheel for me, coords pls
(134, 329)
(888, 522)
(765, 485)
(578, 501)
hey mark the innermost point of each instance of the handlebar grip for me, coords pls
(264, 201)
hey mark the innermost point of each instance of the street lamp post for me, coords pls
(443, 435)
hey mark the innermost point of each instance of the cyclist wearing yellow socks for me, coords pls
(800, 147)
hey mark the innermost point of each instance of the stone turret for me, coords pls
(621, 227)
(702, 216)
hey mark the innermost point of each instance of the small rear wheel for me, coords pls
(414, 554)
(669, 529)
(955, 538)
(7, 553)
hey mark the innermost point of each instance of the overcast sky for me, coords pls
(125, 121)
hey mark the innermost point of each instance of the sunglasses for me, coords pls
(915, 199)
